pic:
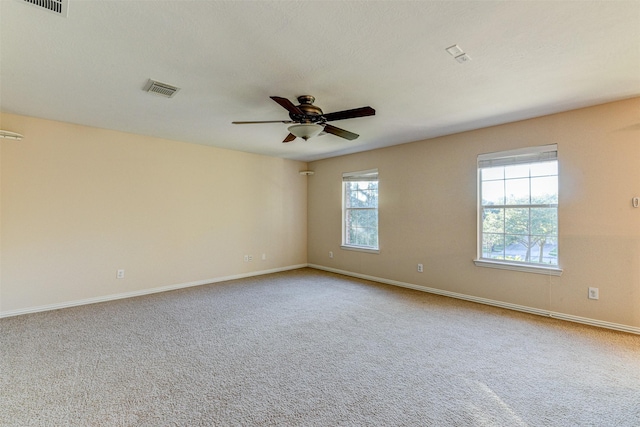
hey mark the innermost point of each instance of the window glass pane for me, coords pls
(364, 217)
(372, 237)
(544, 190)
(349, 223)
(493, 245)
(493, 193)
(364, 236)
(370, 198)
(357, 199)
(517, 191)
(493, 220)
(550, 251)
(350, 194)
(544, 251)
(516, 221)
(544, 168)
(516, 171)
(544, 221)
(372, 218)
(355, 239)
(516, 247)
(351, 237)
(492, 173)
(361, 194)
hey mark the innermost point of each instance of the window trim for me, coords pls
(364, 175)
(527, 268)
(535, 154)
(360, 249)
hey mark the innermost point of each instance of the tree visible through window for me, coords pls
(360, 209)
(519, 206)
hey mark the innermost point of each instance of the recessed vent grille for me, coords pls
(162, 89)
(59, 7)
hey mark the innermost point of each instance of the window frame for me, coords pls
(527, 155)
(359, 176)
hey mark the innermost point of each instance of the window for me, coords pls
(518, 210)
(360, 210)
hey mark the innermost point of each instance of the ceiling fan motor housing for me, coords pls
(312, 114)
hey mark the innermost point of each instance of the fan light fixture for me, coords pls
(305, 130)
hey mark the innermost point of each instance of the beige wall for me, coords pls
(428, 213)
(78, 203)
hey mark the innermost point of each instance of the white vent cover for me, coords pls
(59, 7)
(161, 88)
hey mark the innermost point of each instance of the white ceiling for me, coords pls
(528, 59)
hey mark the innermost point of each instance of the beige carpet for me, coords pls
(309, 348)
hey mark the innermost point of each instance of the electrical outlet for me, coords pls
(246, 258)
(250, 258)
(330, 254)
(264, 257)
(120, 274)
(420, 268)
(594, 293)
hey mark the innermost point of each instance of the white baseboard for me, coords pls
(495, 303)
(144, 291)
(516, 307)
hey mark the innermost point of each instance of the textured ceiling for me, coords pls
(228, 57)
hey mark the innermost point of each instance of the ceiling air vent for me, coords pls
(59, 7)
(162, 89)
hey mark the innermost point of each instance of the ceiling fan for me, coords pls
(308, 120)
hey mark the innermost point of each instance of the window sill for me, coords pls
(360, 249)
(538, 269)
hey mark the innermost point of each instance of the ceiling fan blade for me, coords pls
(284, 102)
(289, 138)
(266, 121)
(340, 132)
(350, 114)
